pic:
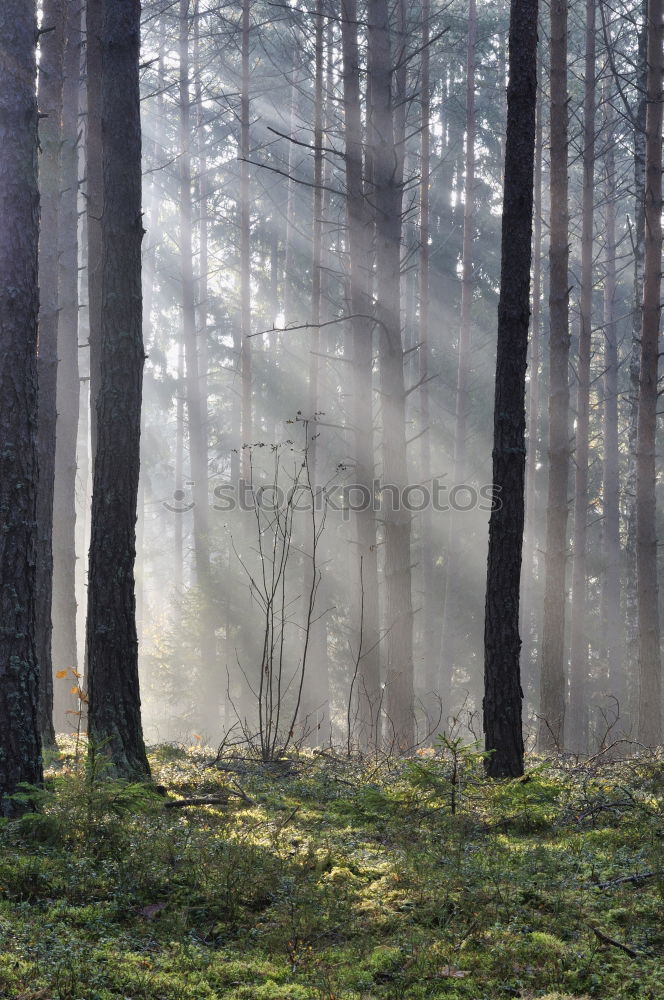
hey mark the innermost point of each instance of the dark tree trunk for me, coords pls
(65, 652)
(365, 697)
(552, 685)
(503, 696)
(112, 646)
(20, 747)
(576, 737)
(650, 681)
(50, 139)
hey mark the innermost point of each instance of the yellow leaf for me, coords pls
(75, 672)
(74, 690)
(60, 674)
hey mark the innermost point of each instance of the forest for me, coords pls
(331, 500)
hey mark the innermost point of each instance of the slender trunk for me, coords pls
(196, 403)
(65, 652)
(503, 695)
(203, 196)
(612, 630)
(387, 200)
(112, 646)
(454, 649)
(315, 708)
(650, 690)
(245, 246)
(638, 237)
(577, 718)
(50, 140)
(178, 550)
(94, 198)
(529, 540)
(427, 547)
(552, 685)
(365, 696)
(20, 747)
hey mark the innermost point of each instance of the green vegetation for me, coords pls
(322, 878)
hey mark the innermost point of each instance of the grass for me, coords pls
(330, 879)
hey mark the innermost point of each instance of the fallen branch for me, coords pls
(185, 803)
(634, 879)
(217, 801)
(605, 939)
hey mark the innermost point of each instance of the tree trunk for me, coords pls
(112, 646)
(552, 685)
(196, 403)
(387, 201)
(650, 690)
(245, 247)
(577, 719)
(363, 709)
(503, 695)
(315, 707)
(50, 140)
(427, 549)
(529, 540)
(454, 649)
(20, 748)
(65, 651)
(94, 198)
(612, 626)
(629, 710)
(203, 196)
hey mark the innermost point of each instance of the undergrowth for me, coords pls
(326, 878)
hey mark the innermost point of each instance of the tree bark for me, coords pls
(650, 683)
(387, 202)
(94, 198)
(315, 707)
(612, 625)
(528, 571)
(427, 549)
(629, 710)
(245, 246)
(454, 650)
(552, 685)
(112, 646)
(65, 651)
(196, 403)
(503, 695)
(20, 745)
(49, 95)
(365, 695)
(576, 737)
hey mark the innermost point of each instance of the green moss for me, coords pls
(343, 881)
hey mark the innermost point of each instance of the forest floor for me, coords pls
(323, 878)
